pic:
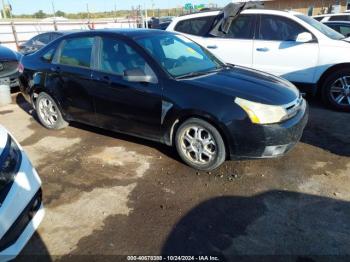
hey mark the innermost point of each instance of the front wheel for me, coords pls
(336, 90)
(200, 145)
(48, 112)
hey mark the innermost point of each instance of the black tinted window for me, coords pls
(318, 18)
(43, 39)
(195, 26)
(54, 36)
(339, 18)
(345, 30)
(77, 52)
(242, 27)
(277, 28)
(117, 56)
(334, 27)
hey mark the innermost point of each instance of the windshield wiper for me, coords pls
(199, 73)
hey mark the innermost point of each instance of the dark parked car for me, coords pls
(39, 41)
(160, 23)
(164, 87)
(9, 66)
(339, 26)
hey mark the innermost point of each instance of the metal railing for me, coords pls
(13, 33)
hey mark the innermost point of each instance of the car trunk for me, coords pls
(229, 13)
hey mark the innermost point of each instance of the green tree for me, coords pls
(40, 14)
(60, 13)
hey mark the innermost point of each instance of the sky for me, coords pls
(74, 6)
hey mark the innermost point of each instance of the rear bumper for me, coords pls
(268, 141)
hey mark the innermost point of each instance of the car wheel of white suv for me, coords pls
(336, 90)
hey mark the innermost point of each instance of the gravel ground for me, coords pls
(111, 194)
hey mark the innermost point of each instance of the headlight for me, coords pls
(10, 161)
(261, 113)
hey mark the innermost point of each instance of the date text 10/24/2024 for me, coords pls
(173, 258)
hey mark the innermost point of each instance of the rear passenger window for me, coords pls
(49, 55)
(242, 27)
(195, 26)
(77, 52)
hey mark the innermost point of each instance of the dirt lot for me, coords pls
(112, 194)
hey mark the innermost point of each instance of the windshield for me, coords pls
(321, 27)
(179, 56)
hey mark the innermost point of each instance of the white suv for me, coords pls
(287, 44)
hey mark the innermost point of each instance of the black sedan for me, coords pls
(342, 27)
(9, 67)
(39, 41)
(164, 87)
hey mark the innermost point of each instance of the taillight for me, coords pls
(20, 68)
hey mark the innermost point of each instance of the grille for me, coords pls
(294, 107)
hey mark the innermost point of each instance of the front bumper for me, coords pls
(21, 211)
(267, 141)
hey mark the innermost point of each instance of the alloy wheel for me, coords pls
(198, 145)
(48, 111)
(340, 91)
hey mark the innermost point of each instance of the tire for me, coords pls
(200, 145)
(48, 112)
(336, 90)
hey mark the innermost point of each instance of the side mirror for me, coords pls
(138, 75)
(304, 38)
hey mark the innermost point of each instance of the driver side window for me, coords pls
(277, 28)
(117, 57)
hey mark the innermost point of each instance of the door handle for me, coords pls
(212, 46)
(262, 49)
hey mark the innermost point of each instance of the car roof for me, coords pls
(247, 11)
(337, 22)
(327, 15)
(127, 32)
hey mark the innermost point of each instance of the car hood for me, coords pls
(7, 54)
(249, 84)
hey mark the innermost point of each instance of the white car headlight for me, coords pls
(262, 113)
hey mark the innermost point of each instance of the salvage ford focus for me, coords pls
(21, 209)
(164, 87)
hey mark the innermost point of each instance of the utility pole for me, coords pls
(54, 15)
(3, 9)
(53, 9)
(115, 11)
(88, 11)
(146, 17)
(153, 5)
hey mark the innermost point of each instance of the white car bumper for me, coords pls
(21, 211)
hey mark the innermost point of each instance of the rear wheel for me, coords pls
(200, 145)
(48, 112)
(336, 90)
